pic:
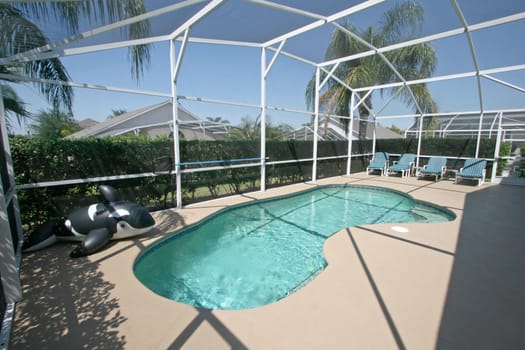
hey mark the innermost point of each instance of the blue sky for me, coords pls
(232, 73)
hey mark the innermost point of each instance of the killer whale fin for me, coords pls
(43, 236)
(108, 193)
(93, 242)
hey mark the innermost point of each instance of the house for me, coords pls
(334, 130)
(86, 123)
(156, 120)
(469, 124)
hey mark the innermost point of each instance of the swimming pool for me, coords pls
(257, 253)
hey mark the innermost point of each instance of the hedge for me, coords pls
(37, 160)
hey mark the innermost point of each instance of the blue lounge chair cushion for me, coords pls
(405, 162)
(473, 168)
(435, 166)
(379, 162)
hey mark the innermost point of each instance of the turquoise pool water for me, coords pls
(257, 253)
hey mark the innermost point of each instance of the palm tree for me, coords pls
(14, 106)
(54, 124)
(116, 113)
(18, 34)
(218, 120)
(250, 130)
(402, 22)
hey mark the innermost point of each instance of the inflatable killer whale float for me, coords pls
(94, 226)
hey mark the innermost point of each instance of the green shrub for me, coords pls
(38, 160)
(504, 151)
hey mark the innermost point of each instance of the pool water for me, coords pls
(257, 253)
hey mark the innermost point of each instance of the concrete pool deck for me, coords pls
(453, 285)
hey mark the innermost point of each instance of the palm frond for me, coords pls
(423, 98)
(360, 76)
(69, 13)
(341, 44)
(309, 93)
(20, 34)
(13, 106)
(402, 22)
(420, 57)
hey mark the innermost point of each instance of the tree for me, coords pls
(19, 33)
(218, 120)
(53, 124)
(250, 130)
(396, 129)
(402, 22)
(116, 113)
(14, 106)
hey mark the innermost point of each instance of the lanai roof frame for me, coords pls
(64, 47)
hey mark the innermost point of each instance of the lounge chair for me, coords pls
(404, 165)
(379, 162)
(436, 166)
(474, 169)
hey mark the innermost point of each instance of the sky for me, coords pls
(233, 73)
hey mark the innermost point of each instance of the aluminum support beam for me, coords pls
(175, 116)
(329, 75)
(93, 48)
(31, 54)
(390, 99)
(363, 99)
(496, 150)
(472, 50)
(263, 119)
(419, 140)
(502, 82)
(374, 138)
(223, 102)
(452, 113)
(181, 54)
(10, 252)
(444, 77)
(322, 20)
(9, 263)
(274, 58)
(442, 35)
(82, 85)
(316, 123)
(205, 11)
(493, 122)
(480, 128)
(349, 134)
(384, 59)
